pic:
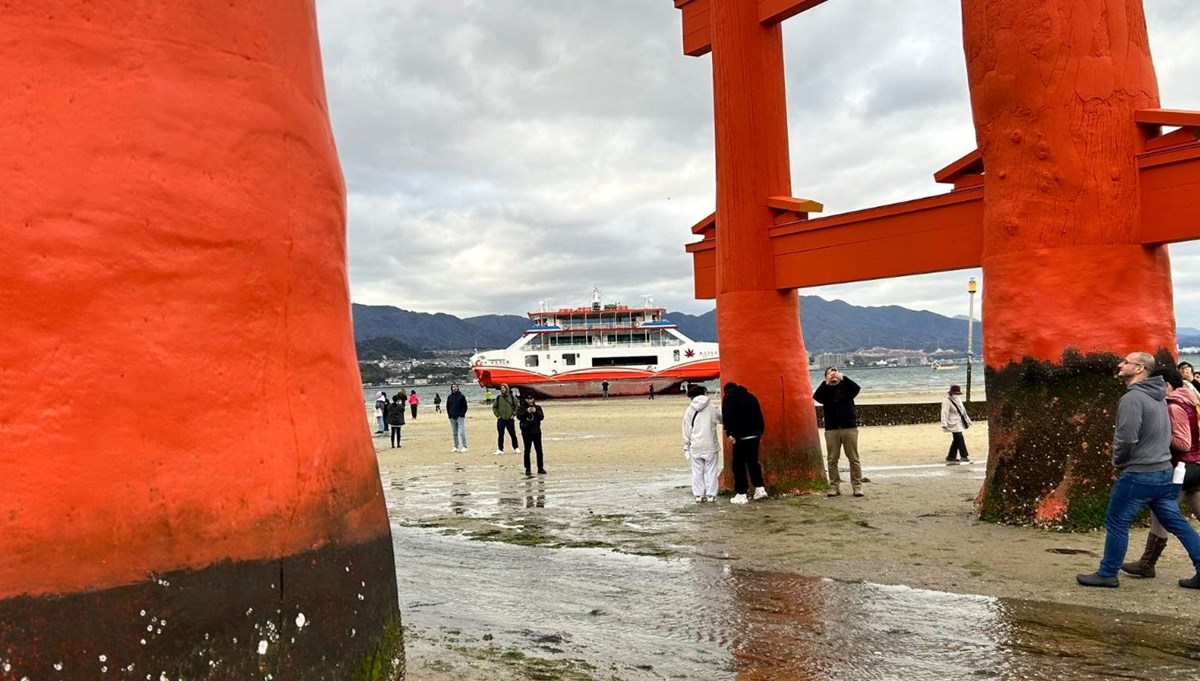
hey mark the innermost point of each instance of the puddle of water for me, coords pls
(705, 617)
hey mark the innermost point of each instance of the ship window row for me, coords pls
(631, 360)
(603, 323)
(652, 339)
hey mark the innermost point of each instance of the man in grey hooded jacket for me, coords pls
(1142, 455)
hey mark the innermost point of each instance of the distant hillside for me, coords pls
(435, 331)
(383, 347)
(829, 326)
(837, 326)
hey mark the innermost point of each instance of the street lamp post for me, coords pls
(970, 333)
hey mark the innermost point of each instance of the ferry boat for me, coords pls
(572, 352)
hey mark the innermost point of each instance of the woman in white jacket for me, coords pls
(701, 444)
(955, 421)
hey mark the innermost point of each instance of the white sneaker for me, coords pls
(498, 452)
(739, 499)
(711, 500)
(455, 450)
(759, 493)
(463, 449)
(700, 500)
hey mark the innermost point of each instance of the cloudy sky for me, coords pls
(499, 152)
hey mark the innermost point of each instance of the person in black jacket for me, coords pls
(530, 416)
(744, 423)
(456, 411)
(395, 418)
(837, 394)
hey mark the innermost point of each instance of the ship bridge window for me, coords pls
(637, 360)
(569, 359)
(531, 360)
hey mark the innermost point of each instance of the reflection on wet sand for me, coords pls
(696, 611)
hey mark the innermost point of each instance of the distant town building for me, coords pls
(828, 359)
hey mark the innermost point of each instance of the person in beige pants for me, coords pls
(837, 394)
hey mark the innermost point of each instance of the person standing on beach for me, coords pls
(955, 421)
(437, 403)
(487, 395)
(456, 411)
(505, 410)
(531, 416)
(651, 391)
(1185, 448)
(604, 389)
(837, 395)
(701, 446)
(1141, 452)
(381, 404)
(395, 418)
(744, 422)
(413, 401)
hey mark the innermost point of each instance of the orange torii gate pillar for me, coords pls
(189, 486)
(1069, 221)
(758, 324)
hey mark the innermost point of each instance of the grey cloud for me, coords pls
(501, 152)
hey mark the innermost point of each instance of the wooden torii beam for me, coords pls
(891, 241)
(1082, 191)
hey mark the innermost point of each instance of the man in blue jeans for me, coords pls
(1141, 452)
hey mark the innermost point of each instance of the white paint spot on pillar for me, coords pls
(300, 621)
(262, 647)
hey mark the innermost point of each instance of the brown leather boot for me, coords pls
(1144, 567)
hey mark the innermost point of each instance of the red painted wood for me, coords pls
(1054, 92)
(776, 11)
(179, 375)
(1170, 195)
(759, 326)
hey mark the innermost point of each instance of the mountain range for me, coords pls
(828, 325)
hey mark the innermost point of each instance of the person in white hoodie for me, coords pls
(701, 444)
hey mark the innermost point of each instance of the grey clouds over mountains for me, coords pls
(498, 152)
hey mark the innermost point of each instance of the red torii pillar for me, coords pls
(758, 324)
(1069, 222)
(189, 486)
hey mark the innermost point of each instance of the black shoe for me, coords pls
(541, 471)
(965, 460)
(528, 474)
(1192, 582)
(1094, 579)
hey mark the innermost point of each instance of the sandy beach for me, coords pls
(915, 527)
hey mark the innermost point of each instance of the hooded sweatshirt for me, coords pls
(1142, 438)
(742, 413)
(700, 421)
(1185, 440)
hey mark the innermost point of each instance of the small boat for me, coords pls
(938, 366)
(573, 352)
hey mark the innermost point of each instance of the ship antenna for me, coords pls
(596, 297)
(647, 300)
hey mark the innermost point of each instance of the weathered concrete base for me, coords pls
(1050, 440)
(326, 614)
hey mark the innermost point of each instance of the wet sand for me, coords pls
(620, 458)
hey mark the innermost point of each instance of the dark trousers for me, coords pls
(533, 438)
(414, 410)
(745, 459)
(503, 425)
(957, 446)
(395, 436)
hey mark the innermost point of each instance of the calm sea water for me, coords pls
(872, 379)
